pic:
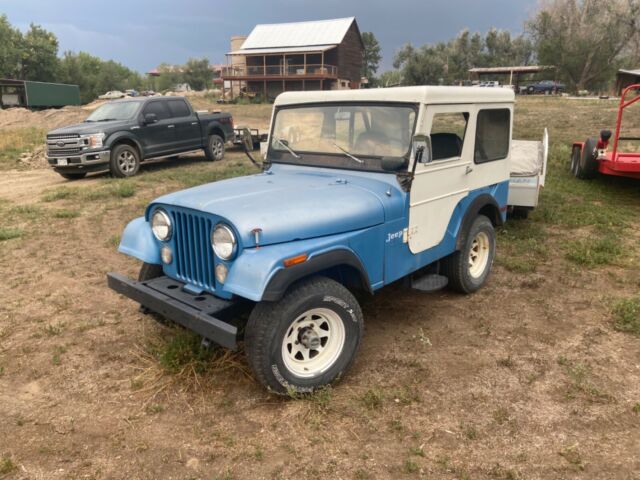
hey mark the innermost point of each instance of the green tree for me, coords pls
(10, 44)
(444, 63)
(370, 55)
(390, 78)
(39, 55)
(585, 39)
(198, 74)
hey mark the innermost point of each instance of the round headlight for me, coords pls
(161, 225)
(223, 241)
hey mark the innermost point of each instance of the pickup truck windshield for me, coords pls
(114, 111)
(333, 134)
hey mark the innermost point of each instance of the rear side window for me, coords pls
(492, 135)
(178, 108)
(447, 134)
(158, 108)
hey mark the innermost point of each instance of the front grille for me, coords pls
(61, 152)
(193, 252)
(66, 136)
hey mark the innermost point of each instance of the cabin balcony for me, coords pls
(280, 72)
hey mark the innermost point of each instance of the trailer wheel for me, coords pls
(469, 268)
(215, 148)
(307, 339)
(588, 165)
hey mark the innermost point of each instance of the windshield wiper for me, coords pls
(284, 144)
(352, 157)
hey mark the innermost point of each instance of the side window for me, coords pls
(492, 135)
(447, 134)
(158, 108)
(178, 108)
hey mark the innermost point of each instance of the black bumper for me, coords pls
(199, 313)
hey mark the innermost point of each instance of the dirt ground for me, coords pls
(526, 379)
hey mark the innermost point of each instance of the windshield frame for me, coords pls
(338, 160)
(133, 115)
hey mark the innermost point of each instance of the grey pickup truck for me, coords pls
(119, 135)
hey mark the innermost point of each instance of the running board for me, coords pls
(430, 282)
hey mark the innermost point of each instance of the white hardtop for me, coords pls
(419, 94)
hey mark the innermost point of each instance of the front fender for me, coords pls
(138, 241)
(257, 274)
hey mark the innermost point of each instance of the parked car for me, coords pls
(112, 95)
(546, 87)
(132, 93)
(490, 83)
(355, 194)
(119, 135)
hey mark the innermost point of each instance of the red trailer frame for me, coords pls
(623, 164)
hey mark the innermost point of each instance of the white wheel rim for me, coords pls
(313, 342)
(479, 255)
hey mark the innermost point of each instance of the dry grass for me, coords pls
(15, 141)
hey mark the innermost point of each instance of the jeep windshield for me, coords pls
(114, 111)
(353, 136)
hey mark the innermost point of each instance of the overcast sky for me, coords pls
(143, 33)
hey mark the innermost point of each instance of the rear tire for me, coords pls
(125, 161)
(307, 339)
(469, 267)
(214, 150)
(73, 176)
(587, 166)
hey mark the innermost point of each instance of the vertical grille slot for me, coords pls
(193, 252)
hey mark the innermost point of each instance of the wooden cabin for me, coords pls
(318, 55)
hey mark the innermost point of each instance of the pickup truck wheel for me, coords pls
(125, 161)
(587, 167)
(74, 176)
(468, 268)
(215, 148)
(307, 339)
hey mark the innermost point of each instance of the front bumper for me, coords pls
(84, 162)
(205, 314)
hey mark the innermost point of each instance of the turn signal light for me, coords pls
(290, 262)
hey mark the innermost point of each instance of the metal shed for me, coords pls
(25, 93)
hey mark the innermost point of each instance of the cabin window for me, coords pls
(493, 130)
(447, 134)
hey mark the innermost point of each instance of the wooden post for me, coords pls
(304, 71)
(264, 65)
(511, 77)
(265, 90)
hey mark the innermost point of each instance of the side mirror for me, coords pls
(605, 135)
(246, 139)
(422, 149)
(393, 164)
(150, 118)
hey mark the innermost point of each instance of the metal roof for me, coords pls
(516, 69)
(417, 94)
(298, 34)
(266, 51)
(630, 72)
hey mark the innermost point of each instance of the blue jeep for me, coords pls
(359, 189)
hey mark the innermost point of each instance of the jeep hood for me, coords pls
(287, 206)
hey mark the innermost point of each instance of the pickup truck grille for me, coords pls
(61, 152)
(193, 251)
(63, 145)
(66, 136)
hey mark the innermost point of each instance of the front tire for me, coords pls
(125, 161)
(469, 267)
(214, 150)
(307, 339)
